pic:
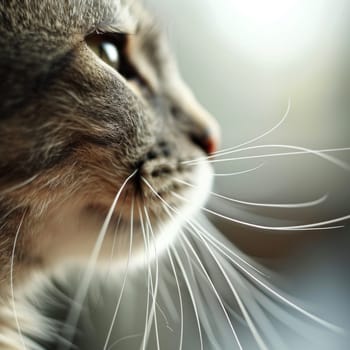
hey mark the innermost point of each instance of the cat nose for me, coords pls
(206, 141)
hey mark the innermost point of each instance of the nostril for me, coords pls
(151, 155)
(156, 173)
(161, 171)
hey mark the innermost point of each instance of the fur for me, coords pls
(72, 129)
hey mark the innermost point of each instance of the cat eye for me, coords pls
(112, 49)
(105, 47)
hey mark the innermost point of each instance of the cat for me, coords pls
(98, 133)
(90, 97)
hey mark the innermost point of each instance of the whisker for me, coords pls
(291, 304)
(224, 151)
(180, 299)
(155, 291)
(302, 327)
(245, 291)
(150, 293)
(193, 299)
(125, 276)
(113, 245)
(202, 299)
(167, 298)
(244, 311)
(82, 291)
(313, 226)
(205, 235)
(151, 314)
(195, 289)
(269, 289)
(111, 256)
(162, 313)
(173, 209)
(210, 282)
(240, 172)
(14, 308)
(184, 274)
(202, 305)
(221, 248)
(149, 277)
(287, 301)
(279, 296)
(214, 290)
(268, 205)
(315, 318)
(299, 151)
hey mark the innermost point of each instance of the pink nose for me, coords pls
(212, 144)
(207, 141)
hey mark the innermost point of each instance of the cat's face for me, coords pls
(91, 95)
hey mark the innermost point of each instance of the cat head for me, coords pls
(91, 96)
